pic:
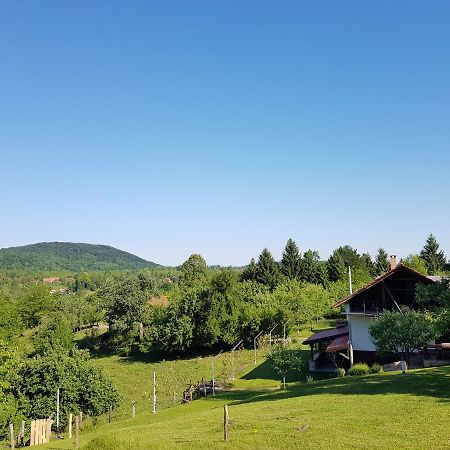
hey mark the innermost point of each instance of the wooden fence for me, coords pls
(41, 431)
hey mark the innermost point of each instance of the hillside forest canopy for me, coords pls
(166, 312)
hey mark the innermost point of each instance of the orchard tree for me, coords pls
(436, 298)
(291, 260)
(433, 257)
(267, 270)
(382, 264)
(312, 270)
(404, 332)
(285, 360)
(416, 263)
(54, 333)
(193, 272)
(126, 305)
(36, 305)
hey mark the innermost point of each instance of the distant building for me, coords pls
(51, 280)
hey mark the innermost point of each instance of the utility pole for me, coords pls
(347, 309)
(254, 344)
(284, 331)
(270, 334)
(57, 408)
(154, 393)
(350, 280)
(212, 367)
(232, 357)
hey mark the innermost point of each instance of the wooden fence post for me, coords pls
(110, 414)
(81, 420)
(32, 433)
(225, 423)
(77, 430)
(134, 410)
(11, 432)
(70, 426)
(42, 431)
(49, 429)
(21, 437)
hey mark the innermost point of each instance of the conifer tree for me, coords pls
(249, 273)
(368, 264)
(335, 266)
(267, 270)
(291, 260)
(433, 257)
(381, 262)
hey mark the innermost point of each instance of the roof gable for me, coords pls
(401, 267)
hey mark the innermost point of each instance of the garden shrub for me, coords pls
(358, 369)
(376, 368)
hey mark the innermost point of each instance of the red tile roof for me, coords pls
(382, 278)
(326, 335)
(340, 343)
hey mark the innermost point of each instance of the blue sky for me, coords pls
(167, 128)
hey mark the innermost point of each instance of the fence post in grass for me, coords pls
(70, 426)
(225, 423)
(134, 410)
(254, 345)
(109, 414)
(232, 358)
(154, 393)
(11, 432)
(21, 437)
(77, 430)
(81, 419)
(204, 386)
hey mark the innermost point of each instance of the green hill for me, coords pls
(381, 411)
(74, 257)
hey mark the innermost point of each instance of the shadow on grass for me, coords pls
(265, 371)
(433, 382)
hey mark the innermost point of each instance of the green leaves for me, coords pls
(285, 360)
(401, 331)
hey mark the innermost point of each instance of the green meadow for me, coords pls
(384, 411)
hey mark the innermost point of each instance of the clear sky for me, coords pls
(173, 127)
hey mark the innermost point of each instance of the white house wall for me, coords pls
(360, 333)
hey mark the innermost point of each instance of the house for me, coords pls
(346, 345)
(50, 280)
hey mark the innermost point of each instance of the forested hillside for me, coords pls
(76, 257)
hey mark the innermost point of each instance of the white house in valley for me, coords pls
(351, 343)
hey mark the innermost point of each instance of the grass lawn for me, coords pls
(383, 411)
(378, 411)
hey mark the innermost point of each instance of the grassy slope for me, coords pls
(379, 411)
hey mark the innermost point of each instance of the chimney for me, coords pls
(393, 261)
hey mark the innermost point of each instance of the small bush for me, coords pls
(339, 372)
(358, 369)
(376, 368)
